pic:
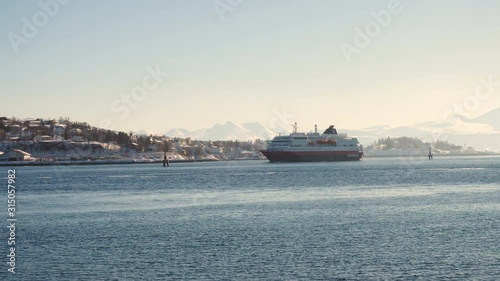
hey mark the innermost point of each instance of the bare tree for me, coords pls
(166, 146)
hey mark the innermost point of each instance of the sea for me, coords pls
(374, 219)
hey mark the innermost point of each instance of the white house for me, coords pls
(15, 155)
(215, 150)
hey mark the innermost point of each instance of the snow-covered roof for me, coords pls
(22, 152)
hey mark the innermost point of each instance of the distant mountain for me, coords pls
(376, 128)
(181, 133)
(279, 130)
(491, 118)
(482, 132)
(226, 131)
(143, 133)
(256, 127)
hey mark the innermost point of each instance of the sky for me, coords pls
(157, 65)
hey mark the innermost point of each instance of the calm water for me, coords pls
(376, 219)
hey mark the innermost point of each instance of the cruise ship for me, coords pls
(313, 147)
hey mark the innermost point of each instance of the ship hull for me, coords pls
(312, 156)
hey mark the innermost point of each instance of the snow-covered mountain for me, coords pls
(181, 133)
(482, 132)
(144, 133)
(482, 136)
(491, 118)
(228, 131)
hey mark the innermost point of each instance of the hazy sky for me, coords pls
(245, 60)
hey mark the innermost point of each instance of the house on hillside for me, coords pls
(14, 132)
(215, 150)
(15, 155)
(59, 130)
(42, 138)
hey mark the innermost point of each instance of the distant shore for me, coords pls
(95, 162)
(132, 161)
(433, 155)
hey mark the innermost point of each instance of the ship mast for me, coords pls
(295, 127)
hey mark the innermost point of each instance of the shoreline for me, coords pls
(94, 162)
(433, 155)
(130, 162)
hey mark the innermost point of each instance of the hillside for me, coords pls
(68, 140)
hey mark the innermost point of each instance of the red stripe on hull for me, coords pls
(311, 156)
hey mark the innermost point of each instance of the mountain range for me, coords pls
(491, 118)
(482, 132)
(229, 131)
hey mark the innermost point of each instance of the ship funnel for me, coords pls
(331, 130)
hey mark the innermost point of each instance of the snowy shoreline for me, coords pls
(97, 162)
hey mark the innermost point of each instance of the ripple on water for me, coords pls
(368, 220)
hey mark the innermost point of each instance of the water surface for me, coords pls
(375, 219)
